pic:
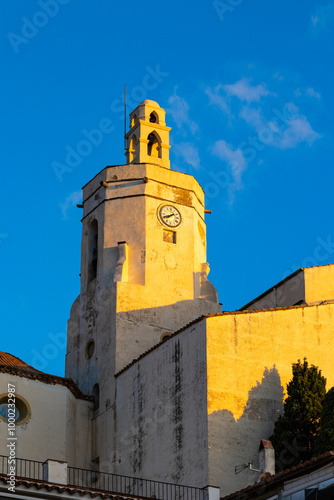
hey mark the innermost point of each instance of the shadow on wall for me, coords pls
(235, 442)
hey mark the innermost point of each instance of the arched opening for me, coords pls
(154, 118)
(153, 146)
(133, 120)
(133, 148)
(96, 396)
(92, 250)
(90, 348)
(165, 336)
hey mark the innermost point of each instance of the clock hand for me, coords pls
(167, 216)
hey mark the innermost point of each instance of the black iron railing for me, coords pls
(116, 483)
(132, 486)
(23, 468)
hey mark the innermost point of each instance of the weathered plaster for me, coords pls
(161, 429)
(249, 363)
(59, 426)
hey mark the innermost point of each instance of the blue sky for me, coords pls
(248, 89)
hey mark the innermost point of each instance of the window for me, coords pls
(92, 250)
(90, 348)
(96, 396)
(169, 236)
(22, 411)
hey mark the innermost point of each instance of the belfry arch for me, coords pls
(154, 145)
(133, 148)
(154, 117)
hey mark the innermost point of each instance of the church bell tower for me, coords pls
(143, 263)
(148, 137)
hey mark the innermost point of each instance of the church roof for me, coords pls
(213, 315)
(287, 278)
(9, 360)
(15, 366)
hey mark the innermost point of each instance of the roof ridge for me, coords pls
(281, 308)
(155, 346)
(47, 378)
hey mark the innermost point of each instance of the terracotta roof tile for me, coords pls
(8, 359)
(286, 475)
(15, 366)
(70, 490)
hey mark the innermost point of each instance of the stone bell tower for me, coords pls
(148, 137)
(143, 263)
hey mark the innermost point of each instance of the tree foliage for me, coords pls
(325, 440)
(296, 431)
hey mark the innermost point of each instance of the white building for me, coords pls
(160, 384)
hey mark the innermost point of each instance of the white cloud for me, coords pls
(71, 201)
(221, 95)
(278, 76)
(298, 130)
(323, 17)
(310, 92)
(188, 153)
(217, 99)
(234, 157)
(179, 109)
(315, 20)
(244, 91)
(252, 116)
(283, 135)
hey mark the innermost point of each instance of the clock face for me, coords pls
(170, 216)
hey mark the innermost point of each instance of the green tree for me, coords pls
(296, 431)
(325, 440)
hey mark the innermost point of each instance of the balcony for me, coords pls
(58, 472)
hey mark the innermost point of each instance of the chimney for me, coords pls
(266, 458)
(55, 471)
(211, 493)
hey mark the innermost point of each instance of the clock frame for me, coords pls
(169, 216)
